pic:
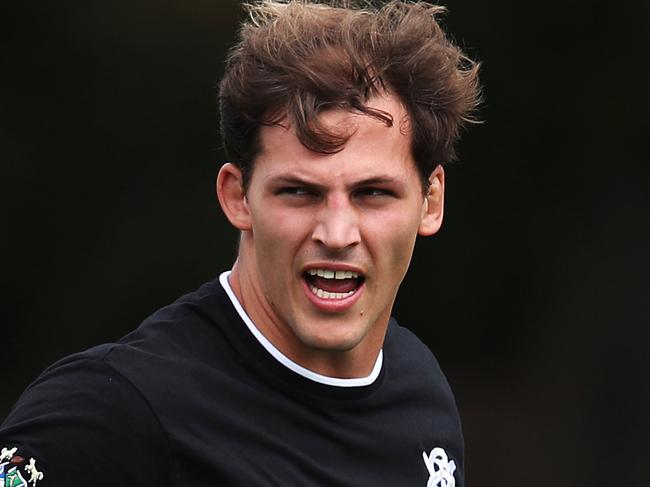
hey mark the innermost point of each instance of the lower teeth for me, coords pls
(327, 295)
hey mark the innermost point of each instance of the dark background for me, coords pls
(534, 296)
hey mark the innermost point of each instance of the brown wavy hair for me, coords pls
(294, 59)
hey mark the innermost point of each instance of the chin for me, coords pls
(332, 340)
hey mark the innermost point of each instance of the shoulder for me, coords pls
(182, 323)
(412, 367)
(414, 377)
(178, 340)
(405, 348)
(90, 415)
(81, 419)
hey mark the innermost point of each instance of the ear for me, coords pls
(232, 197)
(434, 203)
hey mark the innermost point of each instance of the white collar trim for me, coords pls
(286, 361)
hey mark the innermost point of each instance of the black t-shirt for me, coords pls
(193, 398)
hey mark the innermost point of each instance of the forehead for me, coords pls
(372, 148)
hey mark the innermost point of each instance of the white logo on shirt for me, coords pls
(7, 453)
(441, 469)
(34, 475)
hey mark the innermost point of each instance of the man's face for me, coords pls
(327, 239)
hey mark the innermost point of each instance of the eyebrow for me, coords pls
(295, 180)
(377, 180)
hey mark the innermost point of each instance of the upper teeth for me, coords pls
(329, 274)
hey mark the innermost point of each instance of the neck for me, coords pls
(358, 362)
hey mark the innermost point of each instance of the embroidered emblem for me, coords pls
(6, 454)
(12, 468)
(34, 475)
(441, 469)
(14, 478)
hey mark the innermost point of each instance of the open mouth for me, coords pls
(333, 284)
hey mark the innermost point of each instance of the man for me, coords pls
(287, 370)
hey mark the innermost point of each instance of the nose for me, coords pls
(337, 226)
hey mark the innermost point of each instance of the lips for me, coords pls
(332, 285)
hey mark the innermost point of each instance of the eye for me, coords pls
(293, 190)
(297, 192)
(373, 192)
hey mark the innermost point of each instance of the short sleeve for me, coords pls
(82, 423)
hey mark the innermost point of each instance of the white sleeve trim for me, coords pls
(286, 361)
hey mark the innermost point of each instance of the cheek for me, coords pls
(272, 259)
(402, 251)
(395, 244)
(277, 238)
